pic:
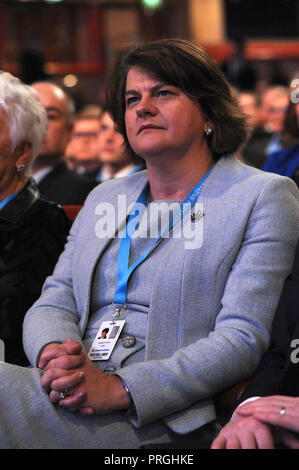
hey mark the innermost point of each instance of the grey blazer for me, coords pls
(211, 308)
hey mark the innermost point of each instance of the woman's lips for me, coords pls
(148, 126)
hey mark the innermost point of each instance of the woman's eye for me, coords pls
(52, 117)
(164, 92)
(131, 100)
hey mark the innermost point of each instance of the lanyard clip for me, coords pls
(118, 310)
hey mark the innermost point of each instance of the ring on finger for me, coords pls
(64, 394)
(283, 410)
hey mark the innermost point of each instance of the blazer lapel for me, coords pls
(94, 247)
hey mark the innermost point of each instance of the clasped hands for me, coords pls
(67, 367)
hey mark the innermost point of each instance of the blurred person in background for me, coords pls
(82, 152)
(115, 161)
(32, 231)
(274, 103)
(54, 180)
(286, 160)
(237, 69)
(253, 152)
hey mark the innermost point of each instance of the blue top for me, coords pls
(284, 162)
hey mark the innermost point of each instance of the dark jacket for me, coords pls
(254, 150)
(278, 370)
(32, 235)
(64, 186)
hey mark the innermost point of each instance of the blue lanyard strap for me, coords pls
(8, 199)
(123, 270)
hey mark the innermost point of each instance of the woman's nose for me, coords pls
(146, 106)
(109, 135)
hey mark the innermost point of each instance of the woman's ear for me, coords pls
(23, 152)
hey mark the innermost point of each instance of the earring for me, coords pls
(208, 130)
(20, 168)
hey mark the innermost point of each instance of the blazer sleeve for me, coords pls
(241, 333)
(54, 316)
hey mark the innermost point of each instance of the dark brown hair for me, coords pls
(180, 63)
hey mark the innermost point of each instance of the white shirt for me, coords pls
(40, 174)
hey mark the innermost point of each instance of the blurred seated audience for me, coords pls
(286, 161)
(253, 152)
(270, 417)
(115, 161)
(274, 103)
(54, 180)
(82, 152)
(33, 231)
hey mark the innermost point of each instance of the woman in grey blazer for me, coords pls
(188, 302)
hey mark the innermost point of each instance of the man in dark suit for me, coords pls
(254, 150)
(54, 180)
(238, 70)
(270, 417)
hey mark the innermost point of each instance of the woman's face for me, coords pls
(110, 142)
(161, 118)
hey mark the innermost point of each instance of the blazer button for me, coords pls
(128, 341)
(109, 370)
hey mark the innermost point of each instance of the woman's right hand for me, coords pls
(69, 352)
(62, 360)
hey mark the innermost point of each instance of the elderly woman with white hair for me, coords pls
(32, 231)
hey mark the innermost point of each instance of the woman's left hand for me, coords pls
(277, 410)
(90, 390)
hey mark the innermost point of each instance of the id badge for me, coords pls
(105, 340)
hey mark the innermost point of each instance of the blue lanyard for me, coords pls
(8, 199)
(124, 271)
